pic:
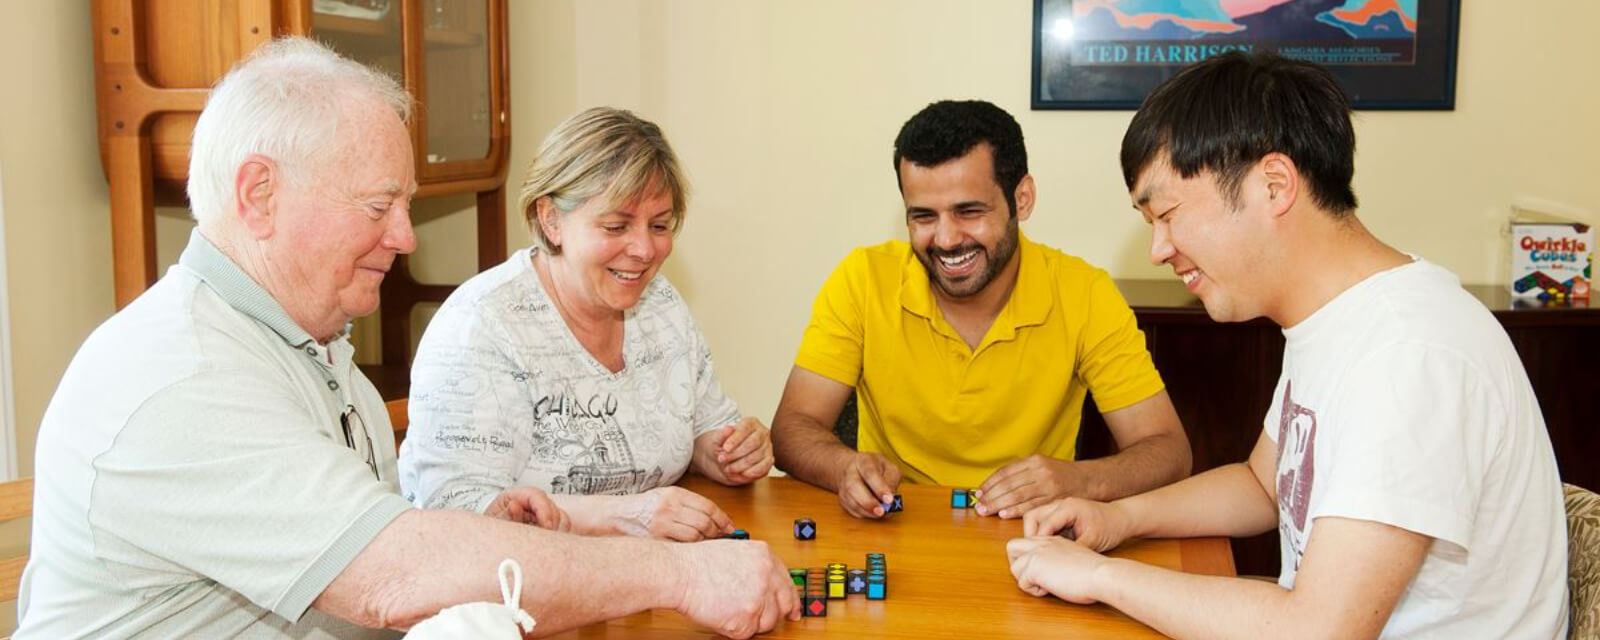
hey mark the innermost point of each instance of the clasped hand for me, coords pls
(738, 453)
(1061, 553)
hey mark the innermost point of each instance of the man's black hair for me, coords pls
(949, 129)
(1224, 114)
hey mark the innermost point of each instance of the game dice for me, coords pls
(961, 499)
(805, 529)
(855, 581)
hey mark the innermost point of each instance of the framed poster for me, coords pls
(1108, 54)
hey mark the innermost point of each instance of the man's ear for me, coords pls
(549, 220)
(1024, 197)
(255, 184)
(1281, 178)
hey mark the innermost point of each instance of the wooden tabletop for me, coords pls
(948, 575)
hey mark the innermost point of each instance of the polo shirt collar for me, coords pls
(1030, 300)
(241, 292)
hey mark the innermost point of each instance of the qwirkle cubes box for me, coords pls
(1551, 259)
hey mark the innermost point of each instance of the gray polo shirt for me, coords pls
(194, 477)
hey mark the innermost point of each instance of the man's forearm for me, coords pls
(809, 451)
(406, 574)
(1185, 605)
(1225, 501)
(1144, 465)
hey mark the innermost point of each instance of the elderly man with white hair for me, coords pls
(213, 464)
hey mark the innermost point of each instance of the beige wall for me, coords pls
(58, 233)
(783, 112)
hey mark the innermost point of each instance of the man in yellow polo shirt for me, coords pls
(971, 348)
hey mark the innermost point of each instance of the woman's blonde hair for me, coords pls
(601, 152)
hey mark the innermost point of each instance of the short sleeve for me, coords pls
(468, 396)
(713, 409)
(1411, 442)
(833, 340)
(231, 477)
(1114, 360)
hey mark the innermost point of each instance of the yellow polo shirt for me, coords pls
(948, 414)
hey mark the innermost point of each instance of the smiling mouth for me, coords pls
(626, 276)
(959, 260)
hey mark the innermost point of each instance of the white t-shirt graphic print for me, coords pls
(503, 394)
(1403, 402)
(1297, 471)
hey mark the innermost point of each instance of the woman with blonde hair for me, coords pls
(574, 367)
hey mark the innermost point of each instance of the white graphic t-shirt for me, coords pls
(503, 394)
(1403, 402)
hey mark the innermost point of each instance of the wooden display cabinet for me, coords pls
(155, 61)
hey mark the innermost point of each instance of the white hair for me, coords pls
(284, 102)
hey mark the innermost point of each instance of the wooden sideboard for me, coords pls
(1221, 378)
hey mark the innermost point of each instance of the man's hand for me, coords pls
(1097, 525)
(867, 484)
(735, 587)
(1028, 483)
(672, 513)
(744, 451)
(529, 505)
(1055, 566)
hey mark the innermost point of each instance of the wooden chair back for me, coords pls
(399, 418)
(1583, 562)
(16, 503)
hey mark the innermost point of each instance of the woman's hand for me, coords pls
(736, 454)
(529, 506)
(671, 513)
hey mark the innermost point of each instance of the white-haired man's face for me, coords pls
(338, 230)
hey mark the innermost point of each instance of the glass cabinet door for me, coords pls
(456, 103)
(450, 55)
(367, 31)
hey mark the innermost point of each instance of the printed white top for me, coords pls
(503, 394)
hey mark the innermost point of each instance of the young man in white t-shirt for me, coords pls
(1404, 460)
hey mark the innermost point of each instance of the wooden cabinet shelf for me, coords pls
(155, 61)
(383, 32)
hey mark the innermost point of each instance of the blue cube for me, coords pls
(805, 529)
(877, 587)
(960, 499)
(857, 582)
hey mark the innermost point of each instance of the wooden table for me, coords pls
(948, 574)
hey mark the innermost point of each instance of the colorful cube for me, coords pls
(877, 587)
(738, 534)
(856, 582)
(805, 529)
(961, 499)
(814, 605)
(798, 576)
(894, 505)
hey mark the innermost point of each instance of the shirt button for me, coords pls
(312, 351)
(333, 386)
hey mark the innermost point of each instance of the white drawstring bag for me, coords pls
(487, 620)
